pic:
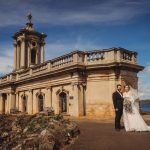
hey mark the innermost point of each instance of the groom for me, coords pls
(118, 106)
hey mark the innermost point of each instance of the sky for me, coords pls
(82, 25)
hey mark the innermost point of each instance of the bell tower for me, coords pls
(28, 46)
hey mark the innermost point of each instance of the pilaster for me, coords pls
(42, 53)
(15, 56)
(48, 100)
(22, 53)
(1, 104)
(78, 99)
(30, 102)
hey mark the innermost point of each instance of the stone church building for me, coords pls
(79, 83)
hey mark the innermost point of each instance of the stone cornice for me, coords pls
(112, 49)
(77, 68)
(76, 61)
(114, 65)
(28, 32)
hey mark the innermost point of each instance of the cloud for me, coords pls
(71, 12)
(67, 12)
(52, 50)
(6, 60)
(144, 84)
(147, 69)
(60, 47)
(144, 92)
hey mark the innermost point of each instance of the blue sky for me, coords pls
(83, 25)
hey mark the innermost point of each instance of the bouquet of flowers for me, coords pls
(127, 105)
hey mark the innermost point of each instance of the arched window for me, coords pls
(40, 102)
(63, 102)
(33, 56)
(4, 99)
(24, 103)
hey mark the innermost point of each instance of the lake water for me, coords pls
(145, 107)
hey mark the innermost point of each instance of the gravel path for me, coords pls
(100, 135)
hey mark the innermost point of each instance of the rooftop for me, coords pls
(96, 59)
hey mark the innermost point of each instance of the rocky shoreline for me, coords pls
(36, 132)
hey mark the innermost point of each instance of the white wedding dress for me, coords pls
(133, 121)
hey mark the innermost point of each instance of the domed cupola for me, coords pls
(28, 46)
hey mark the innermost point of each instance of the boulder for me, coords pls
(36, 132)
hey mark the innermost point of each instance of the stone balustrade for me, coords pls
(94, 56)
(129, 56)
(4, 79)
(39, 68)
(76, 57)
(110, 55)
(61, 61)
(23, 74)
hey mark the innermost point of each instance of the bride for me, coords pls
(133, 121)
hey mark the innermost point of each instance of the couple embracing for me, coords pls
(126, 103)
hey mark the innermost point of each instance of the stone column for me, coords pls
(84, 98)
(17, 59)
(30, 102)
(51, 102)
(112, 88)
(75, 57)
(78, 100)
(1, 104)
(15, 56)
(7, 104)
(17, 101)
(37, 59)
(11, 101)
(85, 58)
(18, 56)
(81, 100)
(29, 57)
(134, 58)
(118, 57)
(42, 53)
(22, 63)
(48, 100)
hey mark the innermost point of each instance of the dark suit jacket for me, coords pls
(117, 100)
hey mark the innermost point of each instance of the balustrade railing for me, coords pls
(24, 74)
(129, 56)
(111, 55)
(62, 61)
(39, 68)
(4, 79)
(95, 56)
(85, 58)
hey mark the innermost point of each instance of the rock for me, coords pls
(25, 130)
(43, 133)
(14, 111)
(36, 132)
(46, 146)
(46, 140)
(32, 135)
(4, 134)
(49, 111)
(18, 147)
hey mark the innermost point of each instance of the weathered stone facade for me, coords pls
(80, 83)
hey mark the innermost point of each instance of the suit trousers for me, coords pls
(118, 118)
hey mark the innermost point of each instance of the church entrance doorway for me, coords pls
(63, 102)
